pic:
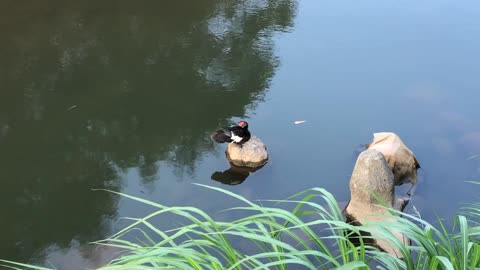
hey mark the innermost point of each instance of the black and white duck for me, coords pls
(236, 134)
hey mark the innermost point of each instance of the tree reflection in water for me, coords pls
(91, 89)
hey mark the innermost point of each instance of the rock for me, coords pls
(400, 159)
(252, 154)
(372, 175)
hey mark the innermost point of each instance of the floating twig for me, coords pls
(71, 107)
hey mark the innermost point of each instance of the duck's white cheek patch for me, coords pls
(236, 138)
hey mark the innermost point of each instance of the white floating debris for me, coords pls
(299, 122)
(71, 107)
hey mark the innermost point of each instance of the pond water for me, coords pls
(121, 96)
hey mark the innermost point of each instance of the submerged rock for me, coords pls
(252, 154)
(372, 180)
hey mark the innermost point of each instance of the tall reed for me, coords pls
(311, 235)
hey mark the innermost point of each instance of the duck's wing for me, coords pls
(239, 131)
(234, 128)
(220, 136)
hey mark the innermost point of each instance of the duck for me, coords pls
(238, 134)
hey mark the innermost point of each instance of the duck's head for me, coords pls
(242, 124)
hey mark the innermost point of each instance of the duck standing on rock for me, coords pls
(243, 150)
(238, 134)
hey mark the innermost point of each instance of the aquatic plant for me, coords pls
(307, 230)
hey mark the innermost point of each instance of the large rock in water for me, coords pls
(252, 154)
(399, 158)
(371, 175)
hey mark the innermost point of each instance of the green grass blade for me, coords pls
(23, 265)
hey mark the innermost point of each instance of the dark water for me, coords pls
(122, 96)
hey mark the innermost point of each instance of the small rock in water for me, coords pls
(252, 154)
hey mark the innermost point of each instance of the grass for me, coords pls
(311, 235)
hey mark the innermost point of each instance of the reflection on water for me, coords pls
(122, 96)
(91, 90)
(80, 256)
(235, 175)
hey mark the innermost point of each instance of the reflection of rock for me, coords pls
(400, 159)
(253, 153)
(235, 175)
(372, 179)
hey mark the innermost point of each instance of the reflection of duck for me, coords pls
(238, 134)
(235, 175)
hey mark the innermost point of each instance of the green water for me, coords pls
(122, 95)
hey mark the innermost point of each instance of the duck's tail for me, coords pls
(220, 136)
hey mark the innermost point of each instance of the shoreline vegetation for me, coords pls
(312, 234)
